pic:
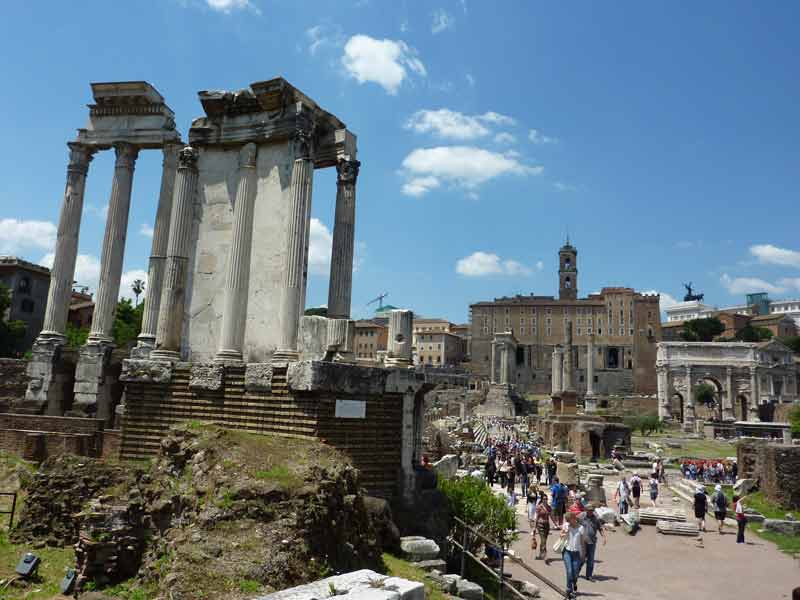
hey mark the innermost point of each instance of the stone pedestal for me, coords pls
(341, 339)
(595, 491)
(565, 403)
(93, 382)
(45, 393)
(590, 404)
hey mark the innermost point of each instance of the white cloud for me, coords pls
(441, 21)
(749, 285)
(772, 255)
(146, 230)
(665, 301)
(323, 35)
(319, 248)
(385, 62)
(790, 282)
(451, 124)
(539, 265)
(101, 212)
(684, 244)
(462, 166)
(470, 79)
(128, 277)
(17, 236)
(564, 187)
(228, 6)
(505, 138)
(537, 137)
(482, 264)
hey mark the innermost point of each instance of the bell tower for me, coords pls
(567, 272)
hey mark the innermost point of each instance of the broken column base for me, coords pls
(499, 401)
(565, 403)
(590, 403)
(93, 381)
(48, 378)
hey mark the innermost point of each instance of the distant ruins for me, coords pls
(223, 338)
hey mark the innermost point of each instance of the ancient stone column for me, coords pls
(688, 413)
(568, 377)
(557, 368)
(662, 374)
(158, 253)
(341, 281)
(113, 244)
(295, 261)
(752, 406)
(727, 402)
(399, 348)
(493, 374)
(62, 272)
(341, 337)
(590, 366)
(234, 313)
(504, 364)
(173, 297)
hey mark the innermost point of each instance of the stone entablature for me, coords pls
(746, 377)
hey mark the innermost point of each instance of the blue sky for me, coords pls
(662, 136)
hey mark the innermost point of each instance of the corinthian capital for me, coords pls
(303, 138)
(170, 155)
(126, 155)
(187, 158)
(247, 156)
(79, 157)
(347, 171)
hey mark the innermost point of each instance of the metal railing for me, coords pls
(469, 534)
(13, 507)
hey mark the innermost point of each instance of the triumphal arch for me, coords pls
(747, 379)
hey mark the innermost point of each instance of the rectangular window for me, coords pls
(549, 311)
(548, 331)
(631, 331)
(622, 331)
(588, 331)
(522, 321)
(578, 331)
(522, 330)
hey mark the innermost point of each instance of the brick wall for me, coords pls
(779, 475)
(13, 381)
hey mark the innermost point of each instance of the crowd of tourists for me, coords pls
(710, 471)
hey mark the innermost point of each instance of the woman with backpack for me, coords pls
(654, 489)
(636, 489)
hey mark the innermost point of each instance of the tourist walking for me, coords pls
(720, 503)
(593, 526)
(636, 489)
(621, 495)
(544, 515)
(559, 493)
(654, 489)
(491, 470)
(700, 507)
(575, 536)
(741, 519)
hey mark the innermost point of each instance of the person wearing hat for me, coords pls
(720, 503)
(593, 525)
(700, 507)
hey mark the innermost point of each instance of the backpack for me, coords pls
(636, 487)
(721, 501)
(563, 493)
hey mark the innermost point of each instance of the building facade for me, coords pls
(439, 343)
(28, 284)
(623, 325)
(371, 337)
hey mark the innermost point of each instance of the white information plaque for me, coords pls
(351, 409)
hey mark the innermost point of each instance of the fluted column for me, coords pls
(62, 272)
(688, 413)
(504, 364)
(590, 366)
(295, 262)
(400, 339)
(568, 383)
(493, 367)
(662, 374)
(727, 403)
(752, 407)
(557, 369)
(234, 314)
(158, 251)
(113, 251)
(340, 286)
(173, 296)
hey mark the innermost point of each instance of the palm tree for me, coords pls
(138, 288)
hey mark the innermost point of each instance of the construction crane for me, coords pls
(379, 300)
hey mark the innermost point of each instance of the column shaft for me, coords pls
(752, 407)
(62, 272)
(295, 264)
(234, 314)
(173, 296)
(557, 367)
(590, 367)
(158, 250)
(113, 251)
(688, 413)
(341, 281)
(493, 367)
(727, 403)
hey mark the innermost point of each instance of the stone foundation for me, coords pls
(587, 436)
(13, 382)
(36, 437)
(774, 467)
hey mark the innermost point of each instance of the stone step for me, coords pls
(673, 528)
(651, 516)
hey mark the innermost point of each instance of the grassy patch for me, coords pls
(397, 567)
(279, 473)
(790, 544)
(249, 586)
(689, 448)
(52, 569)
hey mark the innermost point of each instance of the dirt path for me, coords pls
(661, 567)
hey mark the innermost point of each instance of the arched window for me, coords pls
(567, 283)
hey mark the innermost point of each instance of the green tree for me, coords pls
(127, 322)
(472, 501)
(702, 330)
(749, 333)
(791, 342)
(704, 393)
(794, 419)
(76, 336)
(319, 311)
(137, 287)
(11, 332)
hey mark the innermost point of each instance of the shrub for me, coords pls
(472, 501)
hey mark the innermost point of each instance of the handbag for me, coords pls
(560, 545)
